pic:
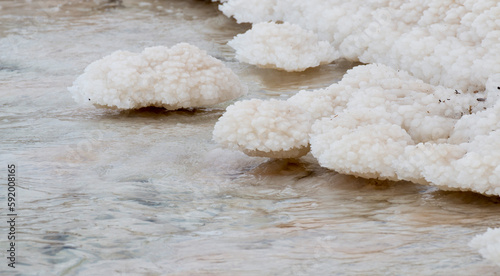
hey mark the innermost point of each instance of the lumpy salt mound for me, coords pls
(272, 128)
(380, 123)
(282, 46)
(451, 43)
(425, 110)
(179, 77)
(394, 126)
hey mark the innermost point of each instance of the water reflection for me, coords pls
(276, 81)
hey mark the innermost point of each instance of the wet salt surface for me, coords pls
(148, 192)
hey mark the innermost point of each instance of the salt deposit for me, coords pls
(161, 198)
(272, 128)
(488, 245)
(282, 46)
(396, 127)
(386, 124)
(379, 123)
(180, 77)
(450, 43)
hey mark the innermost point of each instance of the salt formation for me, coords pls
(282, 46)
(386, 123)
(451, 43)
(434, 118)
(180, 77)
(488, 245)
(277, 129)
(272, 128)
(396, 127)
(379, 123)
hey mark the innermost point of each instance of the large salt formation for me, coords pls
(179, 77)
(379, 123)
(383, 123)
(436, 124)
(451, 43)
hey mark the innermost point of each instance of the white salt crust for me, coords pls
(282, 46)
(451, 43)
(380, 123)
(265, 128)
(179, 77)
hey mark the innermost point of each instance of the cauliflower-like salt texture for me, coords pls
(380, 123)
(488, 245)
(272, 128)
(179, 77)
(282, 46)
(451, 43)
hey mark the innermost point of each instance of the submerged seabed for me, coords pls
(148, 192)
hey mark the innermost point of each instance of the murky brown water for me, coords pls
(148, 193)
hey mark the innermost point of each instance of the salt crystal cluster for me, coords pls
(278, 129)
(451, 43)
(179, 77)
(426, 110)
(378, 122)
(282, 46)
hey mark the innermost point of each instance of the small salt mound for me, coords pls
(249, 10)
(488, 245)
(276, 129)
(180, 77)
(282, 46)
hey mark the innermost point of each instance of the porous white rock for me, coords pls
(385, 112)
(488, 245)
(282, 46)
(182, 76)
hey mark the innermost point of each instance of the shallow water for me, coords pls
(148, 193)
